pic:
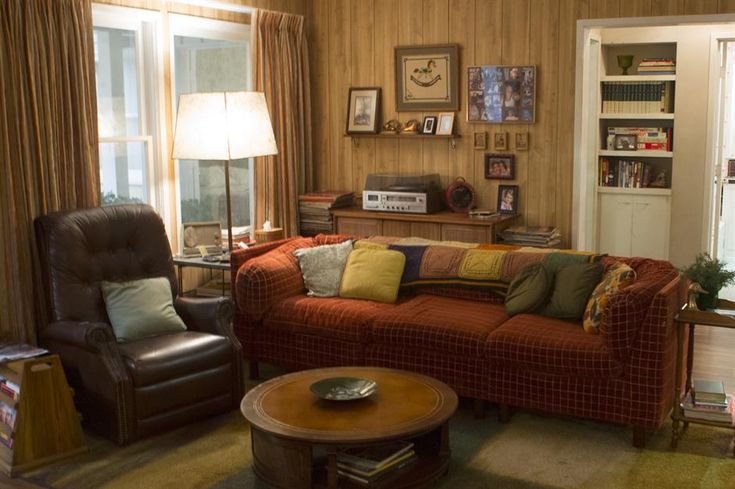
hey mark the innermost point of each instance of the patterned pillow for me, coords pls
(617, 277)
(322, 267)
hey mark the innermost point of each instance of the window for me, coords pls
(127, 165)
(210, 56)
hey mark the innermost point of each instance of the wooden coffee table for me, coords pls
(296, 436)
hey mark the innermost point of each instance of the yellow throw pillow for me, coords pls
(373, 274)
(616, 278)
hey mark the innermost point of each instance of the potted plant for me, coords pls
(712, 275)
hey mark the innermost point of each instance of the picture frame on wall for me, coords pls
(500, 166)
(500, 141)
(508, 199)
(479, 140)
(501, 94)
(429, 125)
(363, 110)
(427, 77)
(445, 126)
(521, 143)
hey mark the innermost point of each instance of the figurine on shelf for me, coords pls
(411, 127)
(392, 126)
(694, 290)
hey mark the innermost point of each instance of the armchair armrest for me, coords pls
(206, 314)
(91, 336)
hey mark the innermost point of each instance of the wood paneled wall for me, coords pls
(351, 44)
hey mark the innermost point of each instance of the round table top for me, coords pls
(405, 404)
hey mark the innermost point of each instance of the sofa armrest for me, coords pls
(206, 314)
(90, 336)
(268, 278)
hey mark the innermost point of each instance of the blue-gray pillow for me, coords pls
(141, 308)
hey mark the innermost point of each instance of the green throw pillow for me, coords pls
(141, 308)
(572, 288)
(529, 289)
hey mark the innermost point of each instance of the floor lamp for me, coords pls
(223, 126)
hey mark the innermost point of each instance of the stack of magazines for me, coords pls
(19, 351)
(314, 215)
(708, 401)
(538, 236)
(367, 465)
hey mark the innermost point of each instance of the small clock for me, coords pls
(460, 196)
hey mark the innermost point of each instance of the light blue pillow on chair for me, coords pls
(141, 308)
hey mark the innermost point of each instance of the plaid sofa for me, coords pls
(464, 338)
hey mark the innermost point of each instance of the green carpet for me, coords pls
(532, 451)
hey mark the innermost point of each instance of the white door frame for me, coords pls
(582, 236)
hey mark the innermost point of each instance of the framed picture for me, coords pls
(625, 142)
(501, 94)
(479, 140)
(445, 126)
(427, 77)
(429, 126)
(500, 141)
(500, 166)
(363, 110)
(507, 199)
(521, 141)
(202, 238)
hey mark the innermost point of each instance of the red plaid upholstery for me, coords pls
(466, 374)
(332, 317)
(528, 342)
(438, 324)
(329, 239)
(266, 279)
(467, 293)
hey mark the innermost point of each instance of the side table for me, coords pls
(198, 262)
(690, 318)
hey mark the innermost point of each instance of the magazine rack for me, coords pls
(46, 426)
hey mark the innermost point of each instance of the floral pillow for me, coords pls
(617, 277)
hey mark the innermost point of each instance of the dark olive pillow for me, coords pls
(573, 286)
(529, 290)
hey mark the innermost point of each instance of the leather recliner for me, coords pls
(126, 391)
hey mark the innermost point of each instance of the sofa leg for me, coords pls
(254, 370)
(478, 406)
(639, 436)
(503, 413)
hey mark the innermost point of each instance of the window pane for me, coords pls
(209, 65)
(123, 172)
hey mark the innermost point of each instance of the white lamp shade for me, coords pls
(223, 126)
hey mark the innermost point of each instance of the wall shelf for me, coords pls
(637, 78)
(649, 116)
(452, 138)
(634, 191)
(636, 154)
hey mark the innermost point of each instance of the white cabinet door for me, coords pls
(615, 224)
(651, 216)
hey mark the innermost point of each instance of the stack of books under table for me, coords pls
(538, 236)
(707, 400)
(314, 215)
(369, 465)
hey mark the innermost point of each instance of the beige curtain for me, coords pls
(48, 140)
(281, 70)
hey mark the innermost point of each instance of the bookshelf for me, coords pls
(633, 186)
(46, 425)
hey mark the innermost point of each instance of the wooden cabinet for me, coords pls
(634, 223)
(446, 226)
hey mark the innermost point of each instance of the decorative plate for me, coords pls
(343, 388)
(460, 196)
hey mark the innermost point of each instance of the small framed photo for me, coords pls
(625, 142)
(521, 141)
(445, 126)
(429, 126)
(479, 140)
(500, 141)
(508, 199)
(363, 110)
(500, 166)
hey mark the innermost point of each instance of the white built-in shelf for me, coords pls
(649, 116)
(640, 153)
(637, 78)
(634, 191)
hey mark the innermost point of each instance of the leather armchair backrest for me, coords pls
(81, 248)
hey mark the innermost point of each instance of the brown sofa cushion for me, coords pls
(440, 324)
(551, 346)
(332, 317)
(165, 357)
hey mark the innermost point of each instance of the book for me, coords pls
(707, 413)
(10, 389)
(346, 467)
(7, 415)
(380, 475)
(19, 351)
(707, 390)
(373, 457)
